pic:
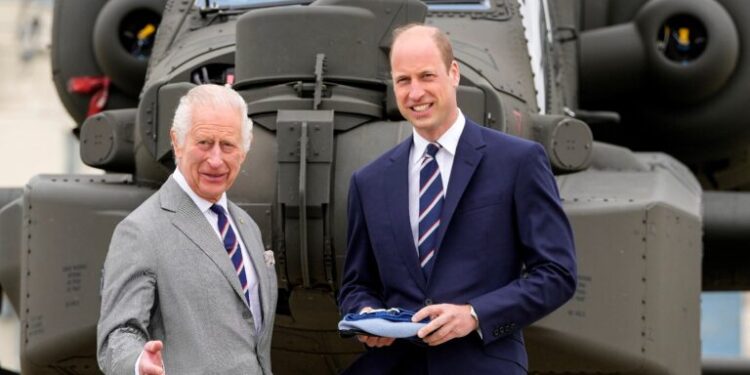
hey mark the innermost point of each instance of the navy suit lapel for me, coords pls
(465, 162)
(397, 201)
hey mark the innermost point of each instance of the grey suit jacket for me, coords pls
(167, 276)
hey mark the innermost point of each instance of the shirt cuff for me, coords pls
(138, 360)
(473, 315)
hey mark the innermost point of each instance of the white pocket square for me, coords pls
(268, 257)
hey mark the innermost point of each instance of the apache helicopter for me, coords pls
(646, 76)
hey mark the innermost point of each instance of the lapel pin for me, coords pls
(269, 258)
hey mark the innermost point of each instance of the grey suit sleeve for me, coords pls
(128, 297)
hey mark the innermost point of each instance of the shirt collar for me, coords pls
(203, 205)
(448, 141)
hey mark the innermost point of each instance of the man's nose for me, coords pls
(415, 91)
(214, 155)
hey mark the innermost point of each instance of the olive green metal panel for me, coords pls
(638, 242)
(11, 208)
(67, 224)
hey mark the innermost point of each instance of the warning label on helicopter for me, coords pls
(73, 281)
(580, 297)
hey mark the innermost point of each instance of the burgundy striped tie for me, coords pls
(232, 245)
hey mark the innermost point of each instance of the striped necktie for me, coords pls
(232, 245)
(430, 208)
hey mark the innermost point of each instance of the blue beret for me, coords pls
(393, 322)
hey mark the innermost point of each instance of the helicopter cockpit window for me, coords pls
(458, 5)
(465, 5)
(244, 4)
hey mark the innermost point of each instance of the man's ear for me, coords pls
(176, 147)
(454, 73)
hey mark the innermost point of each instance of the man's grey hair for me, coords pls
(210, 96)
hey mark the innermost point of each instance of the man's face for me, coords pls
(212, 152)
(425, 88)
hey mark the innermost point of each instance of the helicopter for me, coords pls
(621, 94)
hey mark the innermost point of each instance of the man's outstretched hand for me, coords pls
(151, 362)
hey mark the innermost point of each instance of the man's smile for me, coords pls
(213, 176)
(421, 107)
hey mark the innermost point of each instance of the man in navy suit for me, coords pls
(460, 223)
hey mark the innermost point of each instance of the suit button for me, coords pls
(428, 302)
(246, 315)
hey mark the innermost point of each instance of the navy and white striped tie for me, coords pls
(232, 245)
(430, 207)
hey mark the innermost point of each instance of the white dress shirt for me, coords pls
(448, 142)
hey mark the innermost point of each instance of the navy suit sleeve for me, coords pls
(547, 250)
(361, 279)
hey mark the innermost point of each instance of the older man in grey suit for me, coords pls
(187, 288)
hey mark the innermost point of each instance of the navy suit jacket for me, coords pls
(504, 246)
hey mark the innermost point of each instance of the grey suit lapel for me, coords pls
(191, 222)
(250, 238)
